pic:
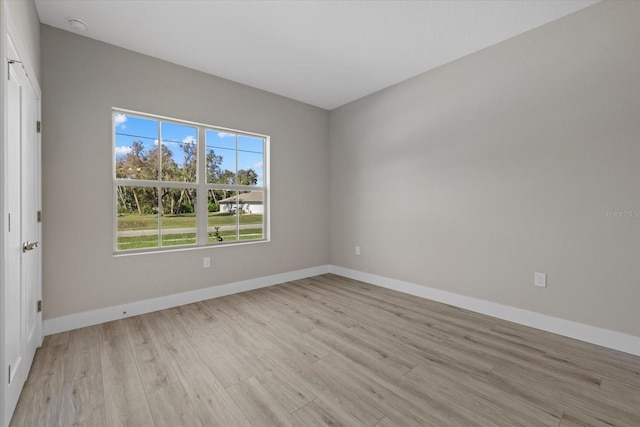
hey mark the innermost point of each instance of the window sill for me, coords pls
(149, 251)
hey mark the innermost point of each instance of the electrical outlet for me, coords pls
(540, 280)
(357, 250)
(206, 262)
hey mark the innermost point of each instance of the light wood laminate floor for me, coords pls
(325, 351)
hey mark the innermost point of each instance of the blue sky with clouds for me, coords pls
(250, 150)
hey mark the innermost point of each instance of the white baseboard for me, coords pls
(599, 336)
(108, 314)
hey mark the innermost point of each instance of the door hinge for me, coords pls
(9, 374)
(38, 126)
(39, 216)
(39, 306)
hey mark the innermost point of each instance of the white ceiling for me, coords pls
(324, 53)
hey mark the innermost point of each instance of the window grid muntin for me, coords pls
(201, 186)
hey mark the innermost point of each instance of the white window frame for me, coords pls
(201, 186)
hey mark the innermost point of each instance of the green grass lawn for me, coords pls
(146, 222)
(181, 239)
(150, 222)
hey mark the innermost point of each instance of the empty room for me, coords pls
(320, 213)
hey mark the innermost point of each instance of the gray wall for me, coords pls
(25, 17)
(82, 80)
(472, 176)
(467, 178)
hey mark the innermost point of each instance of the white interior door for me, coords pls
(23, 265)
(30, 224)
(14, 348)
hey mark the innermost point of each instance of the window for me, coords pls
(180, 183)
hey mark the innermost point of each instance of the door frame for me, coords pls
(8, 30)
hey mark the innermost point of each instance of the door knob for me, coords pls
(29, 246)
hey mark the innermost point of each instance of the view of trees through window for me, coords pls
(159, 177)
